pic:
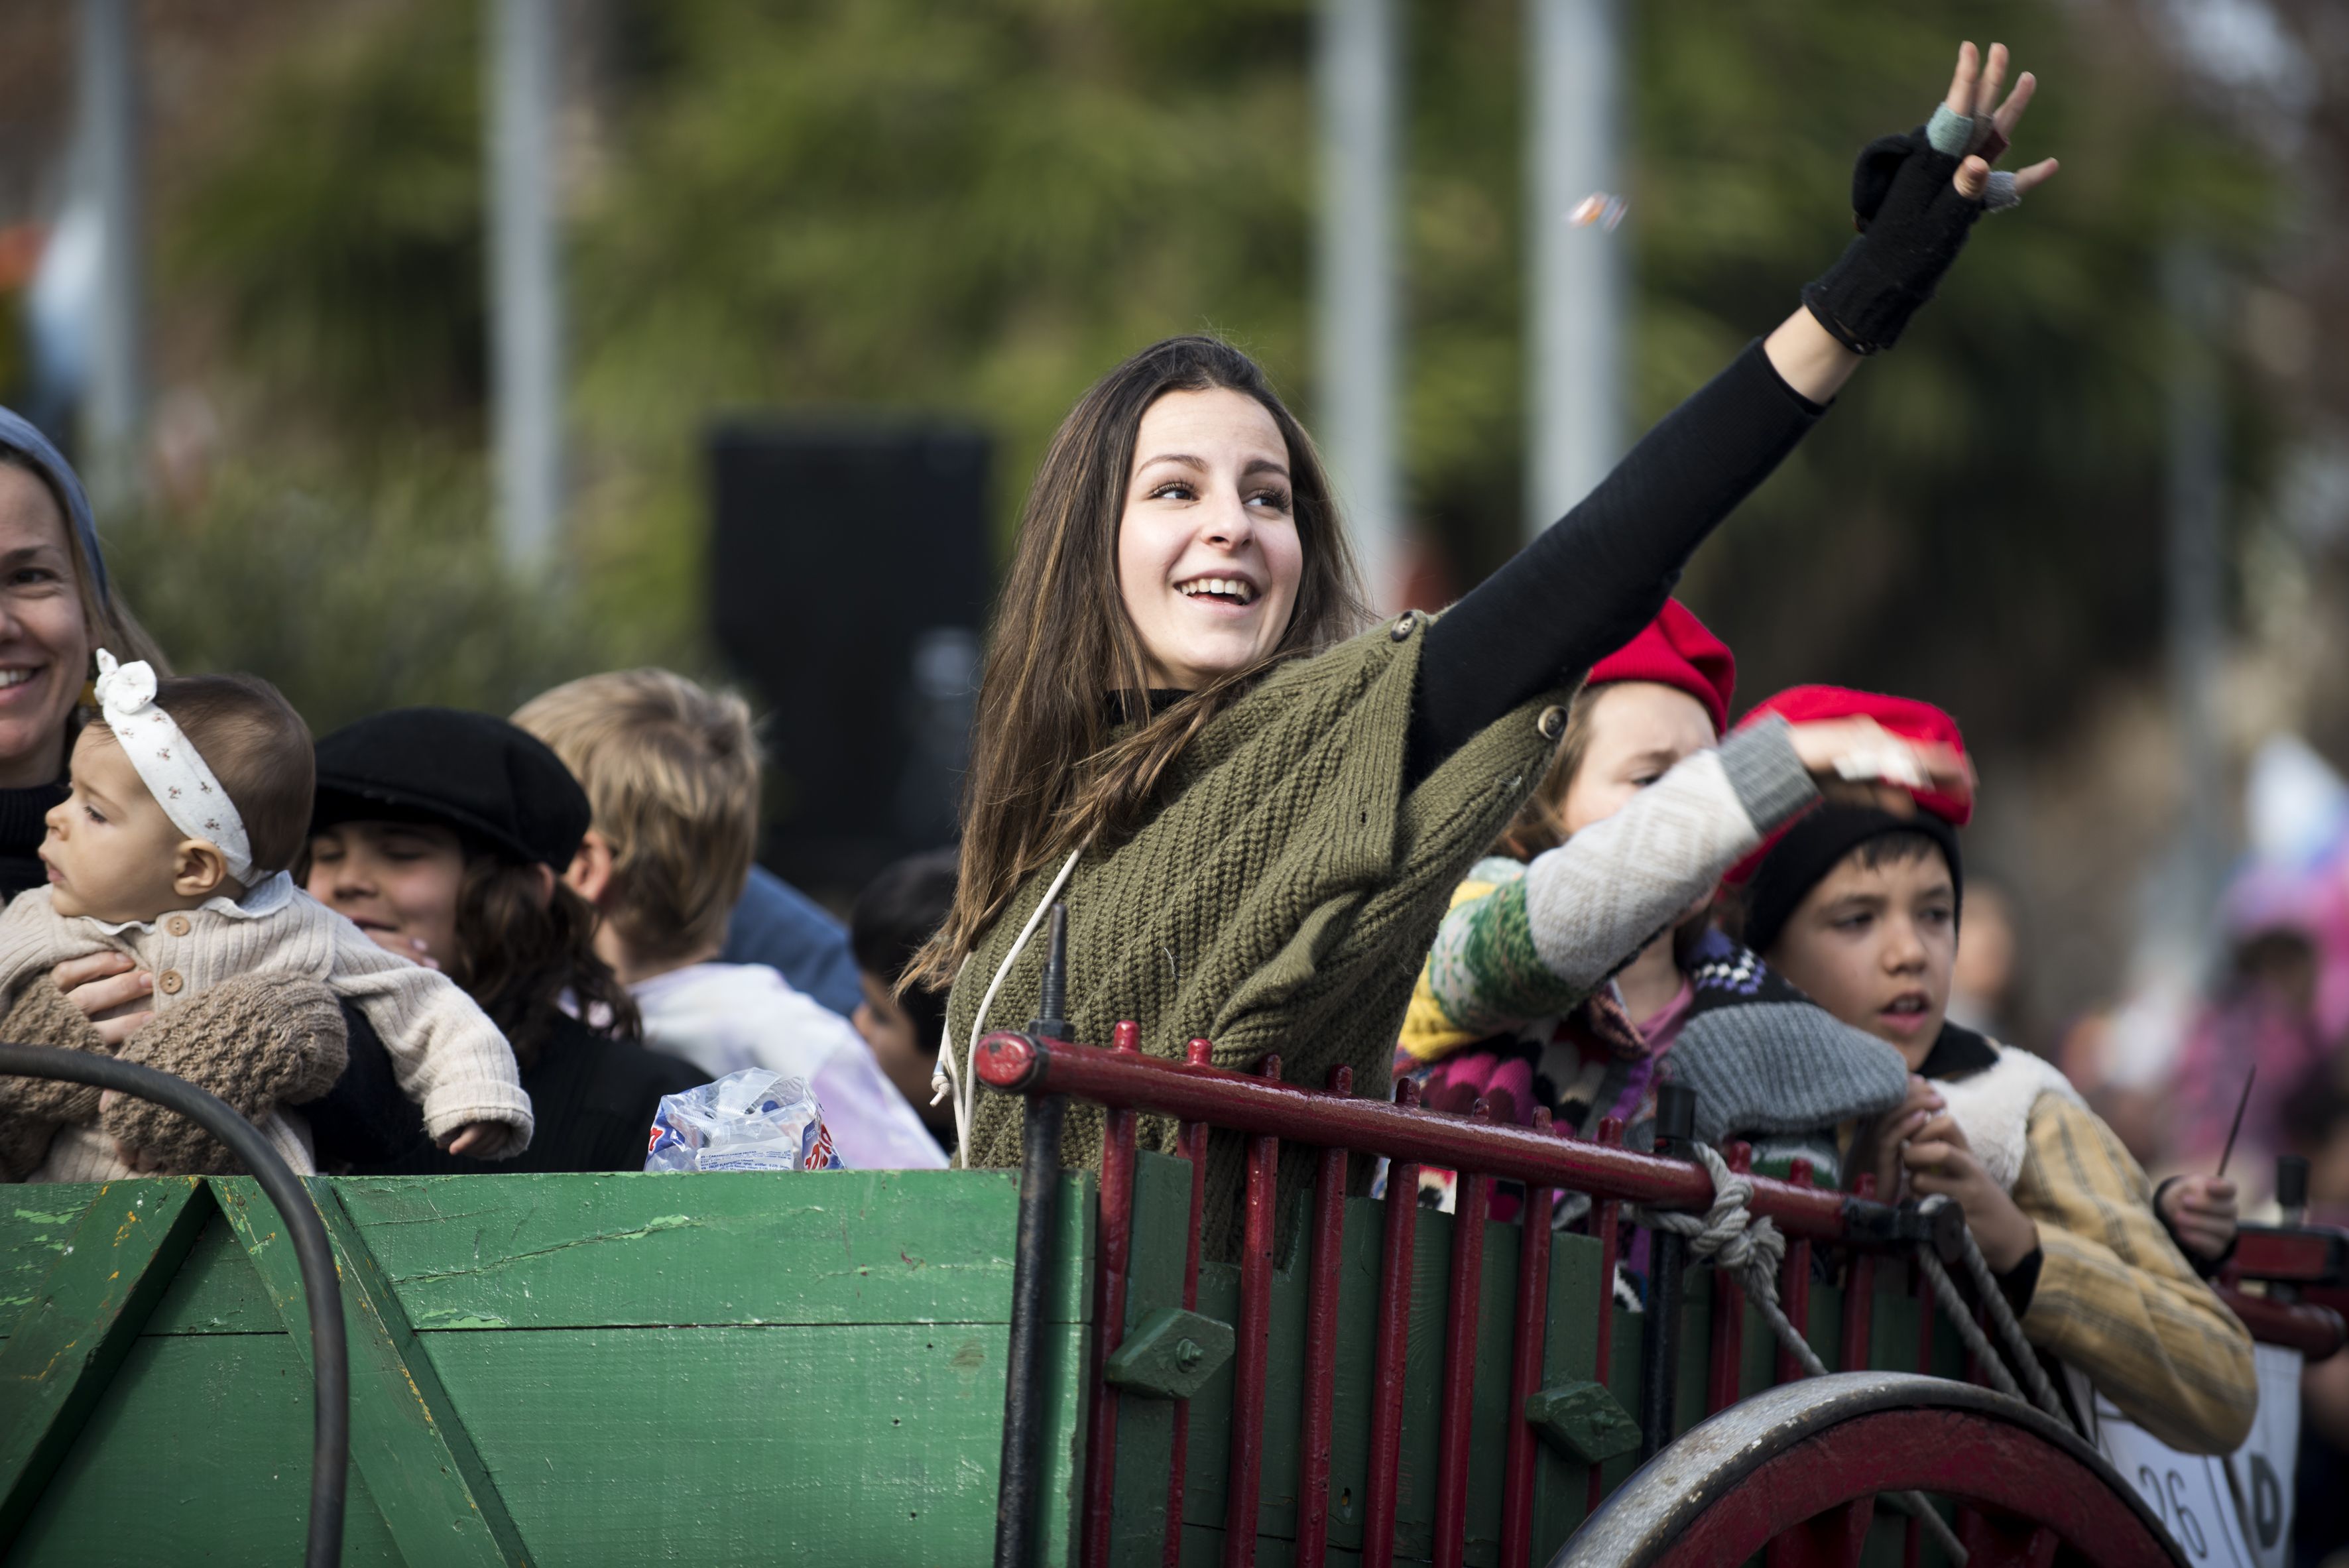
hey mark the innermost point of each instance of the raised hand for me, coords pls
(1857, 761)
(1973, 88)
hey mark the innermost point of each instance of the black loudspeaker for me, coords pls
(849, 582)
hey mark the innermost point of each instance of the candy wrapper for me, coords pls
(749, 1121)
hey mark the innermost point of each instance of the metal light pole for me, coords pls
(110, 126)
(2193, 551)
(1578, 293)
(525, 280)
(1358, 305)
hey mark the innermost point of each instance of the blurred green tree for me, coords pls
(981, 207)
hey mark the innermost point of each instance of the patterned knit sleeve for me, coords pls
(447, 1055)
(2116, 1299)
(1594, 901)
(1474, 984)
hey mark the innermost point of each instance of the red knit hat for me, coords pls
(1676, 650)
(1904, 717)
(1780, 874)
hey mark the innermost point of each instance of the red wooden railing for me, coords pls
(1547, 1161)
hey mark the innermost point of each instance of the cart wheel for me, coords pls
(1797, 1470)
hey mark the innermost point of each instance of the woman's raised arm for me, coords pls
(1814, 361)
(1601, 573)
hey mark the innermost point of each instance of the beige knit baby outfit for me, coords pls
(446, 1054)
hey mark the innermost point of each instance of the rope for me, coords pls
(1749, 1248)
(2002, 1316)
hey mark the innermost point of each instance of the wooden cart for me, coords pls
(917, 1368)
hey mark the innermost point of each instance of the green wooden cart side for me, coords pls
(715, 1369)
(559, 1369)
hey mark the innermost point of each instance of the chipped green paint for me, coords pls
(66, 1344)
(38, 1218)
(434, 1492)
(446, 1319)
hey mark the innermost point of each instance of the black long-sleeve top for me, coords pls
(1593, 578)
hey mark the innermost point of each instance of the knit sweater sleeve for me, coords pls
(2116, 1299)
(1601, 573)
(34, 937)
(1535, 945)
(447, 1055)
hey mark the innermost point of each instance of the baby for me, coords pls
(191, 797)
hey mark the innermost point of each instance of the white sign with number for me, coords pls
(2234, 1510)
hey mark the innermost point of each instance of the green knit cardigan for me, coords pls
(1279, 899)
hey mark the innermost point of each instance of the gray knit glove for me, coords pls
(258, 1043)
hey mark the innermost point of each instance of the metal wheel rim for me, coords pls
(1700, 1498)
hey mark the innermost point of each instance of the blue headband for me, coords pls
(19, 435)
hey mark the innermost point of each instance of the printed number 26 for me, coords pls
(2169, 1503)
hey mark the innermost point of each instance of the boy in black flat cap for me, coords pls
(440, 832)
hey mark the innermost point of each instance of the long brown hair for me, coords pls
(1540, 823)
(1065, 666)
(518, 951)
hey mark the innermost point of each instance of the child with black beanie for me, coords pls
(1858, 905)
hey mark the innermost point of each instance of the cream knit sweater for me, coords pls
(447, 1055)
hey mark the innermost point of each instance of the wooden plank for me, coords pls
(579, 1252)
(199, 1452)
(35, 1223)
(1209, 1432)
(216, 1290)
(66, 1344)
(1561, 1487)
(1145, 1426)
(434, 1492)
(1068, 1366)
(870, 1444)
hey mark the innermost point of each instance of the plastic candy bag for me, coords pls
(755, 1119)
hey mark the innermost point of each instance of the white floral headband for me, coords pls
(168, 761)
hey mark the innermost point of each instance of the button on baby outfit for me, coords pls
(177, 925)
(169, 982)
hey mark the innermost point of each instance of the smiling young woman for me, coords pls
(56, 608)
(1255, 810)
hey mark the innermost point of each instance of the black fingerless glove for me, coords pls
(1912, 224)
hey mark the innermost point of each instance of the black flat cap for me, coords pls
(498, 785)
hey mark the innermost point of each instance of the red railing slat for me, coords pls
(1241, 1491)
(1321, 1344)
(1191, 1143)
(1726, 1359)
(1794, 1284)
(1108, 1315)
(1472, 1197)
(1860, 1294)
(1530, 1332)
(1384, 1479)
(1606, 1223)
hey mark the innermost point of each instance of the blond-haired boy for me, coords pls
(671, 772)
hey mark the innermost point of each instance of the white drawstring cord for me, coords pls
(947, 1078)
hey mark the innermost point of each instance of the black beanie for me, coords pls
(1814, 845)
(499, 785)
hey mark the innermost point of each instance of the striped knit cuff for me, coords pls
(1770, 780)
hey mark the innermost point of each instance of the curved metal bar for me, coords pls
(330, 1441)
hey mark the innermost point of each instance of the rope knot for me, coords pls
(1729, 1234)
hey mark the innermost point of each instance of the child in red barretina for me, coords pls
(1860, 907)
(1577, 971)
